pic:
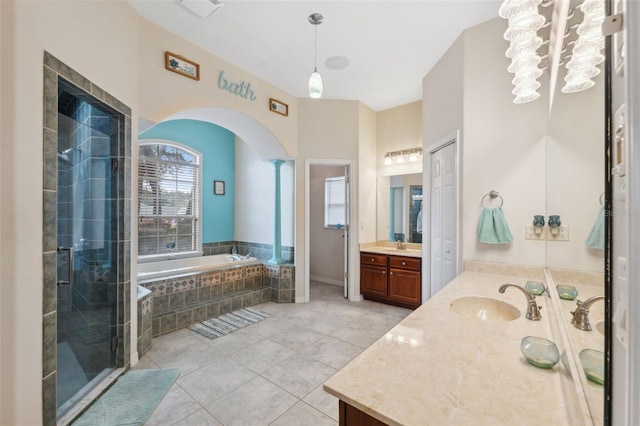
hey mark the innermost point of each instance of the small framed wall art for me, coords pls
(278, 107)
(218, 187)
(181, 65)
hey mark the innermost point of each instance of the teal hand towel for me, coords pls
(492, 227)
(596, 237)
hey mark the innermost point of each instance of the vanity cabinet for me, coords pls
(396, 280)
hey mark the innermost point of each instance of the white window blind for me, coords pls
(334, 202)
(169, 191)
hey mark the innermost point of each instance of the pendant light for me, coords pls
(315, 80)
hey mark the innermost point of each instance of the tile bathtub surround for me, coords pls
(271, 372)
(181, 301)
(145, 321)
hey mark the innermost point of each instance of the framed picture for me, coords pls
(278, 107)
(218, 187)
(181, 65)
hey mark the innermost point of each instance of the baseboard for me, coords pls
(326, 280)
(302, 299)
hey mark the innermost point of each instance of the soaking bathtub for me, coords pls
(175, 267)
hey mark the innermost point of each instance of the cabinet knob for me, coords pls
(384, 272)
(404, 263)
(373, 260)
(390, 273)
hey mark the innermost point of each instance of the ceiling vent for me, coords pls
(202, 8)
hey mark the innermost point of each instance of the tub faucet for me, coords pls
(533, 311)
(580, 318)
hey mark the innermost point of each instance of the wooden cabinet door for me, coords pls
(373, 280)
(404, 286)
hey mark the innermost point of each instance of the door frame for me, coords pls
(353, 289)
(454, 137)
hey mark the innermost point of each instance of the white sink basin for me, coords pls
(485, 308)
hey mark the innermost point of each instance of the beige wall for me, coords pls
(575, 174)
(519, 150)
(366, 207)
(504, 148)
(442, 100)
(82, 35)
(397, 129)
(164, 93)
(327, 130)
(326, 246)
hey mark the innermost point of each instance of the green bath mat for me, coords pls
(131, 400)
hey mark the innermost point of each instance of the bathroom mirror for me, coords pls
(574, 191)
(399, 208)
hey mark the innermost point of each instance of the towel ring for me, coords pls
(602, 199)
(492, 195)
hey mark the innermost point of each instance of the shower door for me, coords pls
(87, 210)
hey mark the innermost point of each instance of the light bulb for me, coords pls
(521, 99)
(511, 8)
(577, 87)
(315, 85)
(527, 21)
(523, 64)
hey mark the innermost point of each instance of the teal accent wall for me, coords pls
(217, 146)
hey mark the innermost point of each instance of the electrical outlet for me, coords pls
(531, 234)
(561, 234)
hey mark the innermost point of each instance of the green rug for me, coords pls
(131, 400)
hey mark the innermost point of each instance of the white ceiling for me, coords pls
(390, 44)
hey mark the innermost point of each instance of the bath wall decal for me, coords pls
(242, 89)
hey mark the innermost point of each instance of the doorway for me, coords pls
(327, 224)
(442, 165)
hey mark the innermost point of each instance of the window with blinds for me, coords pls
(334, 202)
(169, 188)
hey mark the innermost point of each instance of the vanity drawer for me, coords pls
(373, 259)
(400, 262)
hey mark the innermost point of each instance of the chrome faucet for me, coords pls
(533, 311)
(400, 245)
(580, 318)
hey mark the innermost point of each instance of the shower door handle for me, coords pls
(69, 250)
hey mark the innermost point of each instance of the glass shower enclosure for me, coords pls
(87, 267)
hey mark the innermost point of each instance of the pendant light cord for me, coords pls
(315, 48)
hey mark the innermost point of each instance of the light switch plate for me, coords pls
(530, 233)
(562, 233)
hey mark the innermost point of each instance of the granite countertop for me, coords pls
(412, 250)
(439, 367)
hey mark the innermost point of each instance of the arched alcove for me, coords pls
(251, 131)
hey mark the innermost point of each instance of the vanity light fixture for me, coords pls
(315, 80)
(405, 155)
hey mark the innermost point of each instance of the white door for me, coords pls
(443, 217)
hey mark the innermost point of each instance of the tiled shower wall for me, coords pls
(53, 69)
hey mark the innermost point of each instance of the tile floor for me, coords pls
(269, 373)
